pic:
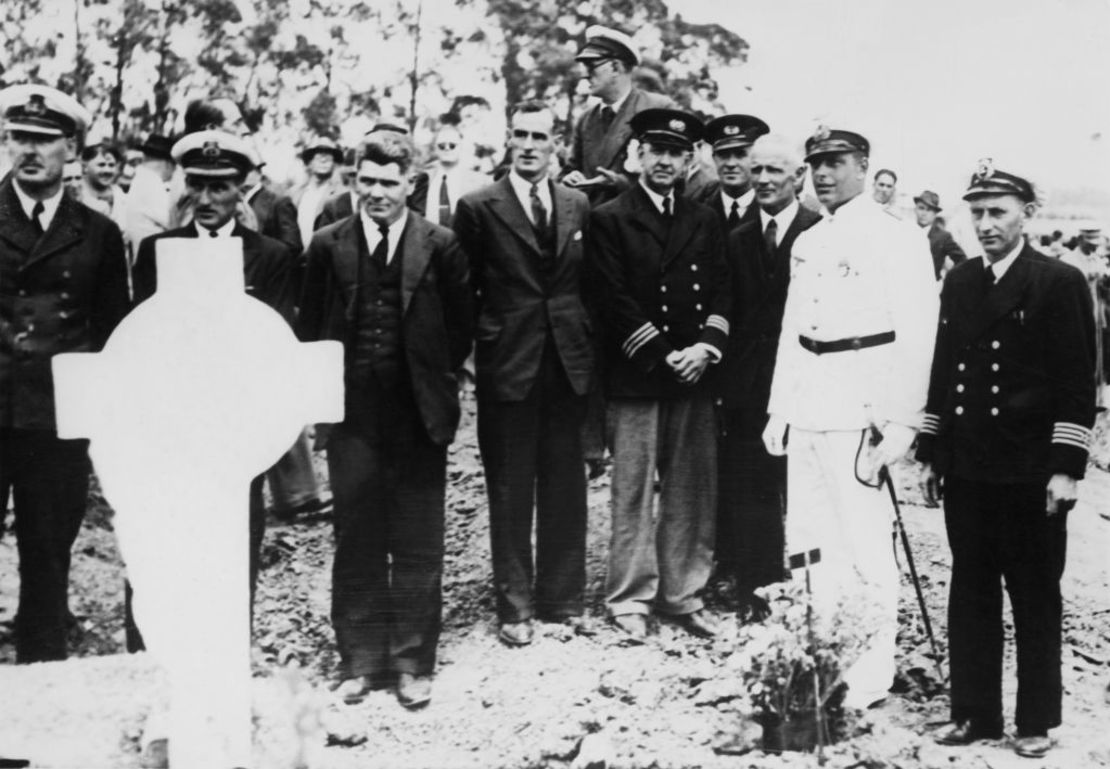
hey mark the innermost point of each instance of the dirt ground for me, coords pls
(577, 697)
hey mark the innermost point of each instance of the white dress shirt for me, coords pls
(374, 235)
(523, 189)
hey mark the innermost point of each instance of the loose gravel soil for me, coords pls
(578, 697)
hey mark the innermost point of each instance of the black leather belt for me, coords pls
(843, 345)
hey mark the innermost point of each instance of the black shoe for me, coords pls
(966, 732)
(1035, 745)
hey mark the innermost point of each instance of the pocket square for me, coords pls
(578, 235)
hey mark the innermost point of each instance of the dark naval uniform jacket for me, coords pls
(663, 286)
(1012, 392)
(63, 292)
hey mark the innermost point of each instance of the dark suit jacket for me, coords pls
(1012, 389)
(269, 268)
(593, 146)
(63, 292)
(518, 302)
(277, 218)
(709, 194)
(662, 288)
(942, 244)
(437, 309)
(758, 297)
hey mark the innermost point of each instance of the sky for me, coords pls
(934, 86)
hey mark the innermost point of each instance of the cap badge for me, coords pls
(822, 133)
(211, 149)
(731, 130)
(36, 105)
(986, 169)
(677, 125)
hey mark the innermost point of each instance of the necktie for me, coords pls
(667, 206)
(36, 213)
(539, 213)
(988, 277)
(381, 251)
(734, 214)
(607, 116)
(771, 236)
(212, 234)
(444, 202)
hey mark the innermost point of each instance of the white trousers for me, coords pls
(851, 524)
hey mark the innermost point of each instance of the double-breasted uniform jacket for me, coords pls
(943, 246)
(758, 297)
(1012, 393)
(63, 292)
(437, 308)
(269, 268)
(594, 146)
(277, 218)
(663, 286)
(519, 298)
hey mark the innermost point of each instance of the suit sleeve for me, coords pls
(938, 380)
(285, 215)
(458, 301)
(952, 250)
(625, 321)
(574, 162)
(468, 229)
(314, 293)
(716, 330)
(143, 279)
(281, 289)
(1071, 368)
(111, 301)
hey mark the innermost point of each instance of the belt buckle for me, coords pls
(857, 343)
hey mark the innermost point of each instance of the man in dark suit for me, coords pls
(215, 164)
(752, 483)
(394, 288)
(732, 195)
(64, 276)
(1007, 428)
(534, 361)
(665, 302)
(599, 149)
(946, 252)
(276, 214)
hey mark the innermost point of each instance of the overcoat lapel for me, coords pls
(506, 206)
(66, 228)
(619, 133)
(15, 227)
(645, 216)
(416, 249)
(681, 230)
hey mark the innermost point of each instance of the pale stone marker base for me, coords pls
(200, 389)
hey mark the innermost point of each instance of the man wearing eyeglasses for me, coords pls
(599, 151)
(449, 179)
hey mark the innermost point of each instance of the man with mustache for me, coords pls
(664, 300)
(852, 364)
(534, 362)
(63, 276)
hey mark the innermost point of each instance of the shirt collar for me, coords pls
(782, 219)
(222, 232)
(252, 192)
(656, 198)
(744, 200)
(857, 204)
(616, 106)
(49, 205)
(1000, 267)
(374, 235)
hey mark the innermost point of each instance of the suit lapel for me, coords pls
(619, 131)
(416, 249)
(506, 206)
(563, 204)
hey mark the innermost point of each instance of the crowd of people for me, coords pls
(751, 356)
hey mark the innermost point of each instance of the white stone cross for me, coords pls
(199, 389)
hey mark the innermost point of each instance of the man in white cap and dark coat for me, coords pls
(63, 288)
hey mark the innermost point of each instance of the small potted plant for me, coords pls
(792, 667)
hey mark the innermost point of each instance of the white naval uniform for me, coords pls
(857, 272)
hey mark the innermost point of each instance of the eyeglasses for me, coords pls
(594, 65)
(446, 145)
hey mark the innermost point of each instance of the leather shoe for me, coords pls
(1032, 745)
(698, 623)
(516, 633)
(414, 691)
(633, 625)
(353, 690)
(966, 732)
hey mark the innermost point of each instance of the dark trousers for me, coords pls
(48, 479)
(532, 453)
(751, 540)
(1001, 533)
(133, 637)
(388, 491)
